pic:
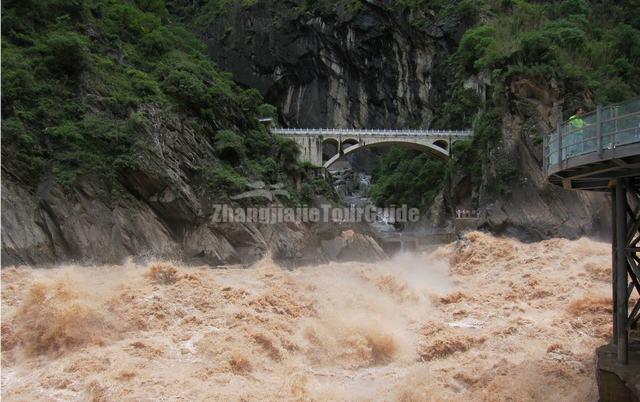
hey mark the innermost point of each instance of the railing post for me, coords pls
(546, 155)
(559, 139)
(599, 129)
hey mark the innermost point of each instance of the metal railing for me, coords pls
(605, 128)
(371, 132)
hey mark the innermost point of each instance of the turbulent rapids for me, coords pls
(485, 318)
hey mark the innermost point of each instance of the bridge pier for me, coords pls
(310, 149)
(626, 264)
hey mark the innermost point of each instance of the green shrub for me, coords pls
(505, 173)
(153, 6)
(260, 143)
(64, 52)
(157, 42)
(229, 146)
(143, 84)
(187, 89)
(224, 180)
(126, 21)
(306, 165)
(410, 177)
(249, 100)
(288, 152)
(571, 7)
(474, 46)
(137, 122)
(460, 147)
(487, 127)
(267, 110)
(468, 11)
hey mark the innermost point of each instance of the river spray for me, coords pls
(484, 319)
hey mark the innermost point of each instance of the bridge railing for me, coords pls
(603, 129)
(372, 132)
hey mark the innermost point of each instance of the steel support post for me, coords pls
(631, 253)
(621, 272)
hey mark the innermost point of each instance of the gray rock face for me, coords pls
(373, 68)
(532, 209)
(351, 245)
(334, 68)
(27, 231)
(546, 210)
(76, 225)
(158, 211)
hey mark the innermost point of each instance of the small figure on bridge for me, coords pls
(576, 120)
(575, 137)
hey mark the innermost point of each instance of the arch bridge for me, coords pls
(344, 141)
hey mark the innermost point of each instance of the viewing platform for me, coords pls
(600, 151)
(605, 147)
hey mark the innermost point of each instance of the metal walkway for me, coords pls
(604, 155)
(606, 147)
(370, 132)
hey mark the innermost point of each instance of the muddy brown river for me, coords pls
(487, 319)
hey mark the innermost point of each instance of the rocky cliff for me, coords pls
(336, 66)
(386, 65)
(527, 206)
(119, 136)
(159, 211)
(119, 132)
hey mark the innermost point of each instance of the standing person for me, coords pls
(577, 133)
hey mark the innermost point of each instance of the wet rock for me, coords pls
(28, 233)
(202, 245)
(80, 224)
(352, 246)
(76, 225)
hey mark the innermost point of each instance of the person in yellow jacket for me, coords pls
(576, 136)
(576, 120)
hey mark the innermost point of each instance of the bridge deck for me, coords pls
(370, 132)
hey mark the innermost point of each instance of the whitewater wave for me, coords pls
(485, 318)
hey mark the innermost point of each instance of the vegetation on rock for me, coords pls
(79, 78)
(578, 52)
(406, 176)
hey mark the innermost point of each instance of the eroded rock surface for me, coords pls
(159, 210)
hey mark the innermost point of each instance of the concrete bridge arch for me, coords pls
(437, 150)
(313, 142)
